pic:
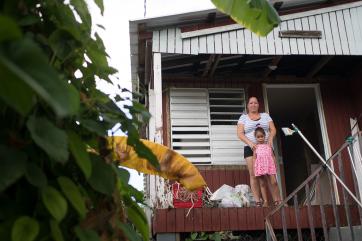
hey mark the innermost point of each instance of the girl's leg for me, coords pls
(264, 189)
(254, 182)
(275, 189)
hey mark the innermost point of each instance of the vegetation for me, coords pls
(51, 186)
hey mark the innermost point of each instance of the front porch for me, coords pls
(246, 219)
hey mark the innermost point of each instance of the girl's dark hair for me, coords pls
(259, 129)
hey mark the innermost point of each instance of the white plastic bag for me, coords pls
(240, 196)
(223, 191)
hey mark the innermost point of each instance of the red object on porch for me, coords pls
(180, 194)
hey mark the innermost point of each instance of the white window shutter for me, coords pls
(190, 124)
(226, 106)
(203, 125)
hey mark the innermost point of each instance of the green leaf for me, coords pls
(137, 217)
(103, 179)
(100, 5)
(56, 232)
(193, 236)
(24, 229)
(78, 149)
(256, 15)
(15, 92)
(27, 61)
(13, 164)
(49, 137)
(28, 20)
(9, 30)
(54, 202)
(129, 232)
(35, 175)
(94, 126)
(86, 234)
(73, 194)
(82, 9)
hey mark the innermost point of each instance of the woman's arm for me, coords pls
(272, 133)
(242, 137)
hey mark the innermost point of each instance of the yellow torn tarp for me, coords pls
(173, 166)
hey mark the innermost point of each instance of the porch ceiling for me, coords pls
(258, 66)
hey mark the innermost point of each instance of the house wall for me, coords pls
(338, 108)
(356, 88)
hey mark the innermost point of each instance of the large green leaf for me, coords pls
(78, 149)
(86, 234)
(257, 15)
(27, 61)
(49, 137)
(9, 30)
(35, 175)
(56, 231)
(14, 91)
(103, 178)
(54, 202)
(12, 166)
(72, 193)
(24, 229)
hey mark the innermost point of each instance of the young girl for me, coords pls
(264, 167)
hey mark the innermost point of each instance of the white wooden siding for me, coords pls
(341, 29)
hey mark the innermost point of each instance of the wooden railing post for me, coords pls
(321, 207)
(297, 220)
(335, 211)
(310, 214)
(345, 197)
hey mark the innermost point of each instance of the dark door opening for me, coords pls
(289, 105)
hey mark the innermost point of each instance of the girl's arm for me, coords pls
(242, 137)
(272, 133)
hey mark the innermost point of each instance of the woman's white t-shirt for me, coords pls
(250, 125)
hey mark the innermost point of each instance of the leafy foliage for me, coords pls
(257, 15)
(51, 187)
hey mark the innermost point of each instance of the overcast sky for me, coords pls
(116, 37)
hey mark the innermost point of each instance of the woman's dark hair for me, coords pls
(259, 129)
(252, 97)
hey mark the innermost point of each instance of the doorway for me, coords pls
(298, 104)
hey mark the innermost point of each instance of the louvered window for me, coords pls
(203, 124)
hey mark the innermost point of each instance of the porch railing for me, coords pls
(318, 212)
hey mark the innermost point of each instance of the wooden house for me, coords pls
(197, 71)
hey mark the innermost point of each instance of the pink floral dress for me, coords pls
(264, 162)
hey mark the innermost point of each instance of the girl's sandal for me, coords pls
(259, 204)
(277, 203)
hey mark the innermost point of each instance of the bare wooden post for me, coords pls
(296, 209)
(321, 207)
(157, 84)
(335, 211)
(310, 214)
(345, 197)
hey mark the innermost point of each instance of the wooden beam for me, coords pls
(244, 78)
(214, 66)
(318, 66)
(208, 65)
(272, 66)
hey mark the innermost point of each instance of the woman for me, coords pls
(246, 126)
